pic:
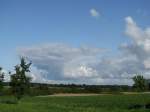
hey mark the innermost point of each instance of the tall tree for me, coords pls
(20, 82)
(140, 83)
(1, 79)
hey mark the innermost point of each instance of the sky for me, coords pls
(77, 41)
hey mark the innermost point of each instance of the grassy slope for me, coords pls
(102, 103)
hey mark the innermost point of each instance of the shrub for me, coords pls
(9, 101)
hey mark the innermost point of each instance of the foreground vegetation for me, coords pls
(101, 103)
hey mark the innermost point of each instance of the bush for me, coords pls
(9, 101)
(147, 106)
(136, 106)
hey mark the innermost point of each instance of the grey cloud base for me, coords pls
(61, 63)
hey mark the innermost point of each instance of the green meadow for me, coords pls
(100, 103)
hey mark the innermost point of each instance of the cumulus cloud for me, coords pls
(94, 13)
(79, 71)
(61, 63)
(141, 42)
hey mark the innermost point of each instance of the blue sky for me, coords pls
(33, 22)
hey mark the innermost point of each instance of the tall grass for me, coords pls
(101, 103)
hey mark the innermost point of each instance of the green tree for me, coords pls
(20, 82)
(1, 79)
(140, 83)
(148, 84)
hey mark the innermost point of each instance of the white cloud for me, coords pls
(94, 13)
(61, 63)
(134, 32)
(141, 45)
(81, 71)
(6, 75)
(38, 75)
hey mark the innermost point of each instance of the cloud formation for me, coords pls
(61, 63)
(94, 13)
(140, 47)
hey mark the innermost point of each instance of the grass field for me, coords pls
(101, 103)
